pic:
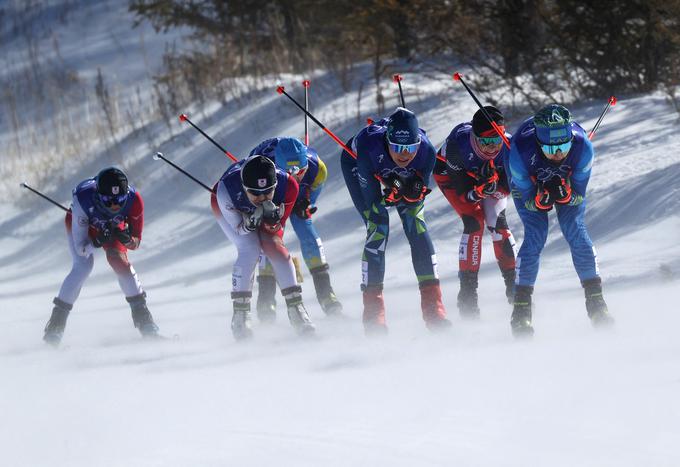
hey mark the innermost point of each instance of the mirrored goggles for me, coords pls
(489, 140)
(404, 147)
(109, 200)
(553, 148)
(262, 192)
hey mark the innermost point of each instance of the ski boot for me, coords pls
(54, 329)
(324, 292)
(240, 321)
(509, 279)
(431, 304)
(297, 314)
(595, 304)
(467, 295)
(266, 298)
(141, 317)
(374, 310)
(521, 312)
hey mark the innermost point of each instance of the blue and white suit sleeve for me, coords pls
(581, 174)
(521, 182)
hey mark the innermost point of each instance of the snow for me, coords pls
(474, 396)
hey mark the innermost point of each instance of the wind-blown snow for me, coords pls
(471, 397)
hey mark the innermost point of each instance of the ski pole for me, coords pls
(184, 118)
(459, 77)
(281, 90)
(306, 83)
(610, 102)
(25, 185)
(397, 79)
(159, 155)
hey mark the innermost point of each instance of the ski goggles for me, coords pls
(109, 200)
(260, 191)
(553, 148)
(489, 140)
(395, 147)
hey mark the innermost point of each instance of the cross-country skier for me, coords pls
(252, 202)
(306, 167)
(550, 162)
(470, 171)
(105, 213)
(397, 155)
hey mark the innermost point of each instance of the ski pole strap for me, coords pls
(159, 155)
(45, 197)
(184, 118)
(610, 102)
(459, 77)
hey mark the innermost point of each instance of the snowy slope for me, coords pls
(472, 397)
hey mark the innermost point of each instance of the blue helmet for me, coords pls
(402, 127)
(290, 155)
(553, 125)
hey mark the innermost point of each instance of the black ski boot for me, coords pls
(324, 292)
(467, 295)
(141, 316)
(595, 304)
(521, 312)
(297, 314)
(240, 321)
(54, 330)
(266, 298)
(509, 279)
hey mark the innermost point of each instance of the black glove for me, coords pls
(252, 221)
(559, 189)
(543, 200)
(414, 190)
(103, 236)
(392, 193)
(121, 233)
(302, 208)
(271, 213)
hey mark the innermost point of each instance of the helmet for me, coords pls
(553, 125)
(258, 175)
(481, 127)
(290, 155)
(112, 187)
(402, 127)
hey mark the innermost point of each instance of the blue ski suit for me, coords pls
(528, 166)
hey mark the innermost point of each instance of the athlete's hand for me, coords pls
(302, 208)
(272, 215)
(414, 190)
(559, 189)
(103, 236)
(121, 232)
(392, 193)
(543, 201)
(253, 220)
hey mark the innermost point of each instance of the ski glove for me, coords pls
(121, 234)
(251, 221)
(559, 188)
(302, 208)
(486, 182)
(543, 201)
(272, 215)
(392, 193)
(414, 190)
(102, 237)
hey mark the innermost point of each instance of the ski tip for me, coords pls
(183, 117)
(157, 156)
(306, 83)
(280, 89)
(396, 78)
(457, 76)
(23, 185)
(612, 100)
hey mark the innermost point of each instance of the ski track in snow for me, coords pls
(473, 396)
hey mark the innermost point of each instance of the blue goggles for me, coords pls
(413, 147)
(109, 200)
(553, 148)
